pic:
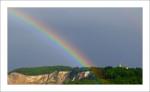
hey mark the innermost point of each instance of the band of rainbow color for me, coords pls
(52, 36)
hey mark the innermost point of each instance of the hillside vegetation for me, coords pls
(40, 70)
(98, 75)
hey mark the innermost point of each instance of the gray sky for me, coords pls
(107, 36)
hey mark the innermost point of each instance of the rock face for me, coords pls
(81, 75)
(57, 77)
(52, 78)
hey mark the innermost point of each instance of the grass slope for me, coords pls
(41, 70)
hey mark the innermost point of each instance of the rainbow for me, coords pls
(53, 37)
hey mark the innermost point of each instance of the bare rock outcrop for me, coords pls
(52, 78)
(56, 77)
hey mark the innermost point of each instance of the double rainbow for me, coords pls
(52, 36)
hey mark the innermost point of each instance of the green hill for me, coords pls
(40, 70)
(99, 75)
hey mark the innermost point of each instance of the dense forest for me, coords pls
(98, 75)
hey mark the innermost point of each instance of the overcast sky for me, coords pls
(107, 36)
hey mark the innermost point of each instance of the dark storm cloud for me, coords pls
(107, 36)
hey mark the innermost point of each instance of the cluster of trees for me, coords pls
(108, 75)
(119, 75)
